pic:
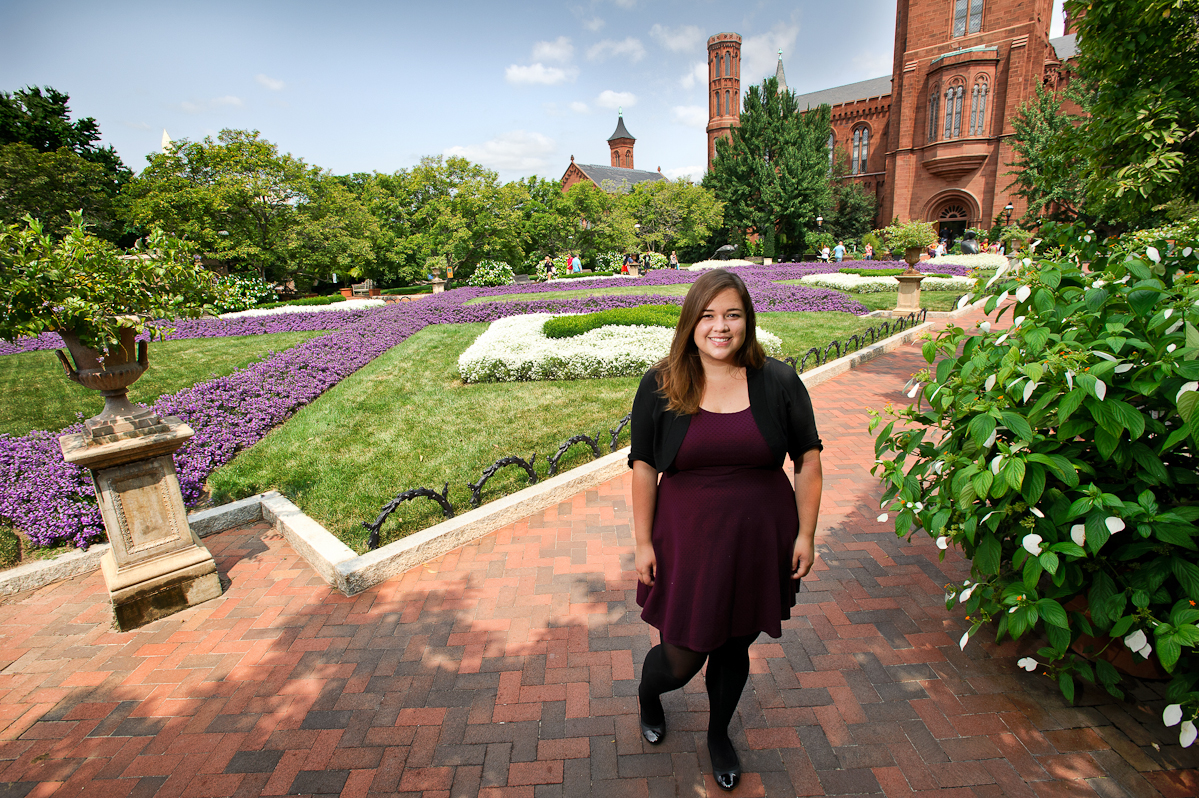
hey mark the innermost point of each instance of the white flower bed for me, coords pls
(980, 261)
(349, 304)
(876, 285)
(717, 264)
(515, 349)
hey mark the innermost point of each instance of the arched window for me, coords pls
(728, 64)
(934, 107)
(861, 150)
(978, 108)
(717, 103)
(953, 111)
(967, 17)
(628, 159)
(736, 68)
(728, 109)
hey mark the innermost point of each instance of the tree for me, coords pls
(1140, 62)
(237, 197)
(51, 165)
(1047, 172)
(604, 221)
(773, 170)
(673, 214)
(852, 209)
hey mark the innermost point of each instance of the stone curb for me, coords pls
(351, 573)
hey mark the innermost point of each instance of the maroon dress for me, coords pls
(724, 532)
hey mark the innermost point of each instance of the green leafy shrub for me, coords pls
(647, 315)
(1060, 455)
(915, 233)
(241, 292)
(10, 547)
(491, 273)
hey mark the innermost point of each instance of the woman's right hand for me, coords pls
(647, 564)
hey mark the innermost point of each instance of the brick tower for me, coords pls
(724, 87)
(621, 143)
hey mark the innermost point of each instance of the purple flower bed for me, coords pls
(51, 500)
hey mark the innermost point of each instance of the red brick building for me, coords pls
(621, 175)
(932, 140)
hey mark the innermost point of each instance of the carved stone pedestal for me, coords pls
(156, 566)
(909, 291)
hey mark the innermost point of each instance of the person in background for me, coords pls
(576, 265)
(839, 251)
(869, 251)
(628, 261)
(825, 254)
(674, 260)
(548, 266)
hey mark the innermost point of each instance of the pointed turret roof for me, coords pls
(778, 73)
(621, 131)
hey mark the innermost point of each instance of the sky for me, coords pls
(359, 86)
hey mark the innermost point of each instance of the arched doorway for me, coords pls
(951, 220)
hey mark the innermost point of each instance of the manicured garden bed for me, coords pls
(51, 501)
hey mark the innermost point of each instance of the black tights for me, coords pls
(668, 667)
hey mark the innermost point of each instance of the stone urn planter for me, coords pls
(911, 256)
(111, 373)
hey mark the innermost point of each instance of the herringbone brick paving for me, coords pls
(509, 668)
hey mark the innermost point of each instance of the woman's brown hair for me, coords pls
(681, 374)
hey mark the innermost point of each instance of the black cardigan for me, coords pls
(777, 397)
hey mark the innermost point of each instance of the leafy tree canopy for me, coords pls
(773, 170)
(1140, 64)
(674, 214)
(51, 165)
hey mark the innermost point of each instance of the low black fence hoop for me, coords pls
(376, 526)
(803, 361)
(830, 346)
(590, 441)
(476, 488)
(624, 422)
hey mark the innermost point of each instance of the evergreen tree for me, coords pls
(773, 170)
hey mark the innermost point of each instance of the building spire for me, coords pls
(778, 73)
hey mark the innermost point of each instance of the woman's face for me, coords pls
(721, 329)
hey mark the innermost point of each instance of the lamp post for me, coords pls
(1007, 211)
(820, 221)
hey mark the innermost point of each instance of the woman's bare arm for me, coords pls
(809, 482)
(645, 499)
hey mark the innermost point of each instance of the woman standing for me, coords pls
(674, 260)
(723, 537)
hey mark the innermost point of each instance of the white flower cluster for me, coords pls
(983, 260)
(717, 264)
(876, 285)
(349, 304)
(515, 349)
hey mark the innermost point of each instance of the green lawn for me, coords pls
(406, 420)
(623, 290)
(41, 397)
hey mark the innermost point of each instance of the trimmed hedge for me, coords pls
(646, 315)
(310, 300)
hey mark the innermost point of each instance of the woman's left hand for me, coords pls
(803, 557)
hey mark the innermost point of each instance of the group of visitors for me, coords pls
(574, 264)
(634, 260)
(838, 253)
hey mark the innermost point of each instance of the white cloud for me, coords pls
(616, 99)
(516, 150)
(199, 106)
(270, 83)
(610, 48)
(870, 62)
(580, 107)
(696, 76)
(760, 54)
(593, 24)
(136, 125)
(625, 3)
(693, 173)
(678, 40)
(558, 50)
(690, 115)
(538, 74)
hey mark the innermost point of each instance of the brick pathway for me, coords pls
(509, 668)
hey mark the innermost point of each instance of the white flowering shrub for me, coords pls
(654, 260)
(876, 285)
(349, 304)
(983, 260)
(516, 349)
(718, 264)
(241, 292)
(492, 273)
(608, 261)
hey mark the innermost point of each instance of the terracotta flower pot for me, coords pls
(347, 292)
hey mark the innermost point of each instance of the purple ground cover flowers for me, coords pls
(52, 501)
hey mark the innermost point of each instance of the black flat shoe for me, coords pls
(652, 733)
(726, 776)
